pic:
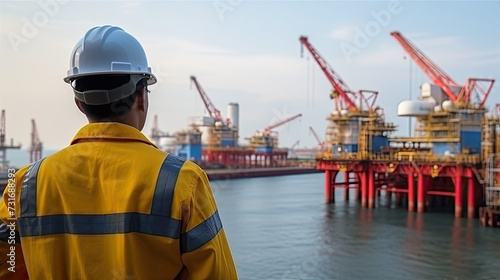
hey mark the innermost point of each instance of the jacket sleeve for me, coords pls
(11, 256)
(204, 247)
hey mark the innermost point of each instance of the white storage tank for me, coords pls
(233, 114)
(206, 134)
(413, 108)
(344, 112)
(448, 105)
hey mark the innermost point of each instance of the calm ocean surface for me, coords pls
(279, 228)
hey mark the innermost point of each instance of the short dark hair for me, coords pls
(118, 109)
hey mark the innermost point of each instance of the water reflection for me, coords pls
(415, 221)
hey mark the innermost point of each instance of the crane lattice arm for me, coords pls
(338, 84)
(212, 110)
(479, 86)
(282, 122)
(431, 69)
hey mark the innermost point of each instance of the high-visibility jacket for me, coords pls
(113, 206)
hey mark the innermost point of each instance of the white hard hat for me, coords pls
(108, 50)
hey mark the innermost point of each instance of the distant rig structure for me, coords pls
(4, 147)
(35, 150)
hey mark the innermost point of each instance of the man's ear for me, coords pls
(79, 105)
(141, 100)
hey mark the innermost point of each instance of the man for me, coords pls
(111, 205)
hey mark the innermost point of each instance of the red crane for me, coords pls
(282, 122)
(341, 89)
(212, 110)
(36, 144)
(443, 80)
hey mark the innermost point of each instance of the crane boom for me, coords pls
(338, 84)
(212, 110)
(294, 144)
(315, 136)
(282, 122)
(431, 69)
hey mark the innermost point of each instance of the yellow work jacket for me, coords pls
(113, 206)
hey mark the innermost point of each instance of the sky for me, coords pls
(242, 51)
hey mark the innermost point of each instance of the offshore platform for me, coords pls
(453, 153)
(213, 141)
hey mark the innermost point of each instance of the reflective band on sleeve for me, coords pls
(28, 191)
(4, 232)
(201, 234)
(165, 185)
(100, 224)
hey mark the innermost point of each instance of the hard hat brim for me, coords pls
(151, 81)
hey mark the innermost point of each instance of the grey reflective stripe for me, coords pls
(201, 234)
(4, 232)
(165, 185)
(28, 191)
(100, 224)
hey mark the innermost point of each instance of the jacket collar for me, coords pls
(110, 131)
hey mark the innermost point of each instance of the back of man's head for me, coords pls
(115, 110)
(108, 69)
